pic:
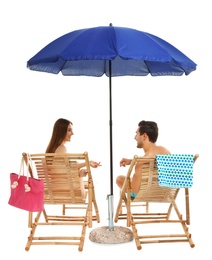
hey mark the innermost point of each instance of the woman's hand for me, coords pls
(95, 164)
(82, 173)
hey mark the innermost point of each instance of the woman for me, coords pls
(62, 132)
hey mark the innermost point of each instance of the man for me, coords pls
(146, 137)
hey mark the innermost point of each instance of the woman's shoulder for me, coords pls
(61, 149)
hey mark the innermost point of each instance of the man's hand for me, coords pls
(125, 162)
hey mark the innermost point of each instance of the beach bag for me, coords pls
(26, 193)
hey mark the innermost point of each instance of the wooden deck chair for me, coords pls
(62, 186)
(157, 197)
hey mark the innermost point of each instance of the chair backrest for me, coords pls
(62, 184)
(150, 190)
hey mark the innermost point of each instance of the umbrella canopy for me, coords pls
(113, 51)
(132, 52)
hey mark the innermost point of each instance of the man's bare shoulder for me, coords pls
(162, 150)
(157, 150)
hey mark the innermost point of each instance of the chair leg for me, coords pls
(147, 207)
(96, 208)
(136, 237)
(32, 232)
(30, 219)
(187, 206)
(64, 209)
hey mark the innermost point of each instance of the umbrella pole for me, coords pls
(110, 196)
(117, 234)
(111, 131)
(111, 234)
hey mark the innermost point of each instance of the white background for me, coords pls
(30, 103)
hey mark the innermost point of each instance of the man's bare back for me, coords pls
(135, 185)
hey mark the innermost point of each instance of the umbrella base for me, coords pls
(103, 235)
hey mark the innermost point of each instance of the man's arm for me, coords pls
(135, 182)
(125, 161)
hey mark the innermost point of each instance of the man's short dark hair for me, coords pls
(150, 128)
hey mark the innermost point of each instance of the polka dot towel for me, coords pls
(175, 170)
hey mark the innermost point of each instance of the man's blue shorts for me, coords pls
(132, 195)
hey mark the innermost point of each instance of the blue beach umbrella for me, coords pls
(113, 51)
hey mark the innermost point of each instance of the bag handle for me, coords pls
(29, 161)
(15, 183)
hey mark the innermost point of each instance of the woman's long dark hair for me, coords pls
(58, 134)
